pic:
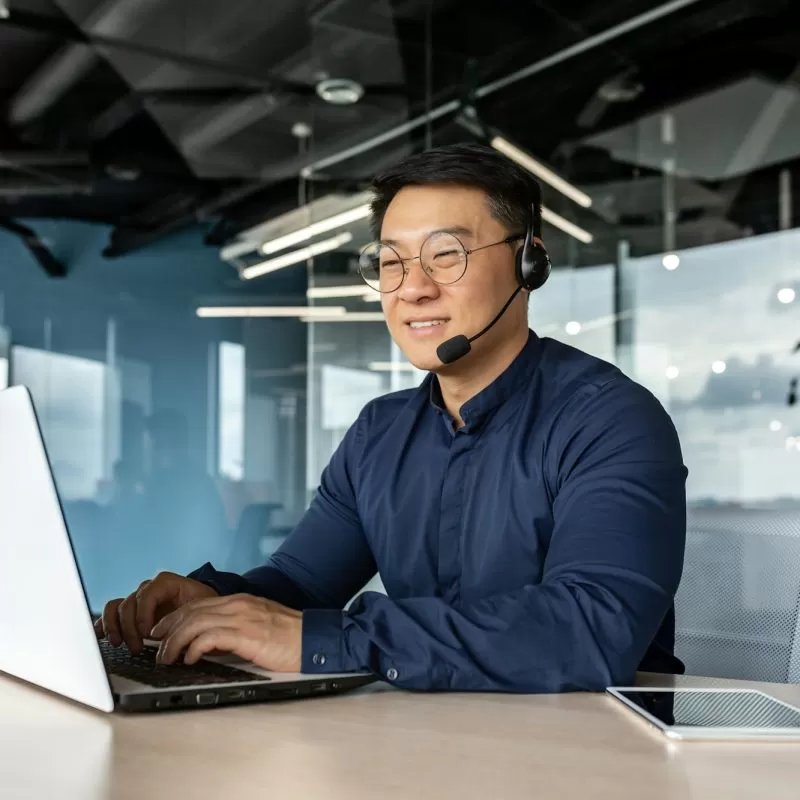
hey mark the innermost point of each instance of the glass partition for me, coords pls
(174, 439)
(712, 335)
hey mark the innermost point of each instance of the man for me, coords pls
(525, 507)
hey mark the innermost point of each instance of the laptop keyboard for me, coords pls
(143, 668)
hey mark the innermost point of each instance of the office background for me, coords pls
(152, 153)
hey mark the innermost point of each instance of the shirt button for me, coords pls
(391, 674)
(319, 659)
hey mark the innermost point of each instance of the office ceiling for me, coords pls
(152, 115)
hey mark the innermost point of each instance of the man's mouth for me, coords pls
(428, 323)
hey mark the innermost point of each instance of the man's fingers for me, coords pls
(150, 595)
(224, 639)
(127, 621)
(110, 622)
(185, 633)
(229, 605)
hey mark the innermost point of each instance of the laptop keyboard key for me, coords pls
(144, 669)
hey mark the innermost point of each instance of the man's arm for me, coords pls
(611, 573)
(326, 559)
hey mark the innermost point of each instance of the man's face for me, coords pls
(464, 307)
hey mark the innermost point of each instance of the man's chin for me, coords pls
(424, 359)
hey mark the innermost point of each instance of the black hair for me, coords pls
(513, 195)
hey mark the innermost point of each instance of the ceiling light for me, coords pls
(303, 254)
(324, 292)
(209, 312)
(557, 221)
(786, 295)
(340, 91)
(775, 425)
(533, 166)
(672, 372)
(390, 366)
(719, 367)
(315, 229)
(671, 261)
(5, 11)
(350, 316)
(573, 328)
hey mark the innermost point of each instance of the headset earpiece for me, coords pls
(533, 263)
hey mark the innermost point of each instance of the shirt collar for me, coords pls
(477, 408)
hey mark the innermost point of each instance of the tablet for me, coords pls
(712, 713)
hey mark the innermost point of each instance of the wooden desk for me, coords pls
(379, 743)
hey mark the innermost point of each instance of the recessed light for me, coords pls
(573, 328)
(340, 91)
(719, 367)
(671, 261)
(786, 295)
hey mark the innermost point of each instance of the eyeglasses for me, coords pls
(442, 256)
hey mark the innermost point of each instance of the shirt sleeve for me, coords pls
(610, 576)
(325, 560)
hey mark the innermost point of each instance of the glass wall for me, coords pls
(713, 337)
(174, 439)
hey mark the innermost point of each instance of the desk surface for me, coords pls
(379, 743)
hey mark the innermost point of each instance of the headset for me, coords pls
(532, 269)
(533, 262)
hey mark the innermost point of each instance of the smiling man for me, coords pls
(525, 506)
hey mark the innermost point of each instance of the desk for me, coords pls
(379, 743)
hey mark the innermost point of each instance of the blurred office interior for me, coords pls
(171, 171)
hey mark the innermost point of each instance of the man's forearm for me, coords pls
(268, 582)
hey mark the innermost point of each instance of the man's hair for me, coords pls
(513, 195)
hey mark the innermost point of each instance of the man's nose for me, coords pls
(417, 284)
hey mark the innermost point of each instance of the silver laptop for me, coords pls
(47, 634)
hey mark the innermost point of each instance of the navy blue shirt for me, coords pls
(536, 549)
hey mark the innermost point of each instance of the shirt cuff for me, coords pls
(323, 642)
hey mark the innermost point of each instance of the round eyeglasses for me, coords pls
(442, 257)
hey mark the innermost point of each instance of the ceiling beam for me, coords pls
(36, 247)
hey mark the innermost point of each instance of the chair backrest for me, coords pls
(737, 606)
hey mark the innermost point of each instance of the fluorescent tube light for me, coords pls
(350, 316)
(296, 256)
(557, 221)
(325, 292)
(315, 229)
(391, 366)
(270, 311)
(533, 166)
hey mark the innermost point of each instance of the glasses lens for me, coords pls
(380, 267)
(443, 258)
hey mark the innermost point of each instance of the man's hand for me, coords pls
(130, 619)
(257, 630)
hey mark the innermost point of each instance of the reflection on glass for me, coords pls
(232, 383)
(70, 396)
(4, 354)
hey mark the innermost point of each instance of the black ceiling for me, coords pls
(150, 115)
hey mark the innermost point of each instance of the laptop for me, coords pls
(47, 633)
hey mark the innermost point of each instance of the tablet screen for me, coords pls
(715, 709)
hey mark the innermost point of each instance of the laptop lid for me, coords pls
(46, 632)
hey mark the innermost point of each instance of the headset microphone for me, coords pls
(533, 269)
(457, 347)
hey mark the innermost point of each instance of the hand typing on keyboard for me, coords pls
(257, 630)
(129, 620)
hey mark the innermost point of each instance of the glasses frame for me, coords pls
(468, 251)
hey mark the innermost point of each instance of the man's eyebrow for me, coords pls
(456, 230)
